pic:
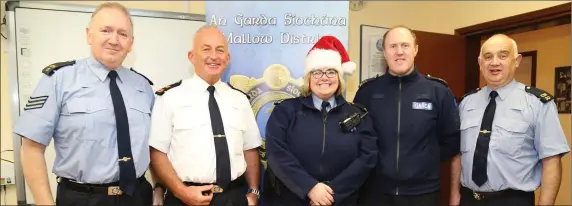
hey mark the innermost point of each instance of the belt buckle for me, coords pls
(216, 189)
(115, 190)
(477, 196)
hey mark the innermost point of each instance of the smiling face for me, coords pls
(324, 82)
(110, 35)
(210, 54)
(399, 51)
(498, 61)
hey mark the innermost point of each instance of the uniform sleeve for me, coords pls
(280, 160)
(549, 138)
(41, 113)
(161, 126)
(449, 126)
(361, 98)
(352, 178)
(251, 135)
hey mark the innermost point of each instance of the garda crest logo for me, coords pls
(275, 84)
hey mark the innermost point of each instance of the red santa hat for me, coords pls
(329, 52)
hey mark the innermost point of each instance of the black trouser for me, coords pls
(233, 195)
(427, 199)
(501, 198)
(71, 193)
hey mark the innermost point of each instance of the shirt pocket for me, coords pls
(509, 135)
(469, 133)
(189, 131)
(234, 131)
(79, 118)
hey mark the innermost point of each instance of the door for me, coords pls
(443, 56)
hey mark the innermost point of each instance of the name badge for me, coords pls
(423, 105)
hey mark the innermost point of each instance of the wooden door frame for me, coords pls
(540, 19)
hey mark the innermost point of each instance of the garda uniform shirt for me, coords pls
(181, 128)
(73, 105)
(525, 131)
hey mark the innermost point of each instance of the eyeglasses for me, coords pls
(330, 73)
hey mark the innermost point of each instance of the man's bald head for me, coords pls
(501, 37)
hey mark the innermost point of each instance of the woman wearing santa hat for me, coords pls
(319, 147)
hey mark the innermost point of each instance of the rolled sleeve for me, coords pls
(161, 126)
(41, 113)
(549, 138)
(252, 137)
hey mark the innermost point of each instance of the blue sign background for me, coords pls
(241, 21)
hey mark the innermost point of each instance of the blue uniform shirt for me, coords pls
(525, 130)
(318, 102)
(78, 113)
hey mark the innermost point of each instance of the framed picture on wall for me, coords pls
(372, 62)
(562, 89)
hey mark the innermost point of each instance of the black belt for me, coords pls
(489, 195)
(107, 188)
(238, 182)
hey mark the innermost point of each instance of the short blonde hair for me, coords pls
(307, 91)
(113, 5)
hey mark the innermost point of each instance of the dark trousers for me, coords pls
(70, 193)
(233, 195)
(503, 198)
(428, 199)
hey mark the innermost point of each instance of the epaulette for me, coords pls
(49, 70)
(277, 102)
(359, 106)
(368, 80)
(469, 93)
(541, 94)
(166, 88)
(437, 79)
(230, 85)
(150, 82)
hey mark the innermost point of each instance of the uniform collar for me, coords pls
(318, 102)
(410, 77)
(201, 85)
(101, 71)
(308, 101)
(505, 90)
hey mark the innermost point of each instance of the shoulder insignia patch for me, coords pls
(469, 93)
(541, 94)
(166, 88)
(150, 82)
(437, 79)
(230, 85)
(49, 70)
(368, 80)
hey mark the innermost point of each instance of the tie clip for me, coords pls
(220, 135)
(125, 159)
(485, 131)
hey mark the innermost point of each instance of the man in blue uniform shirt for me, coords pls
(417, 123)
(511, 137)
(98, 113)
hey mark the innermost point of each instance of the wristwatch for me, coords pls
(254, 191)
(159, 185)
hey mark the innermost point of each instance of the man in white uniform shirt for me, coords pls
(204, 136)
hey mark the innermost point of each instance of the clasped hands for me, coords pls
(321, 194)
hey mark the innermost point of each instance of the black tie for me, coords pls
(127, 176)
(221, 148)
(482, 148)
(325, 105)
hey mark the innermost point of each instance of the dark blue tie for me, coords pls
(482, 147)
(221, 147)
(127, 175)
(325, 105)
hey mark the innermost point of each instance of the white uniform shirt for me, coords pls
(181, 128)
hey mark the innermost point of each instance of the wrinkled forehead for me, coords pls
(497, 46)
(210, 38)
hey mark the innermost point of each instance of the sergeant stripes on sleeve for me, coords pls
(36, 102)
